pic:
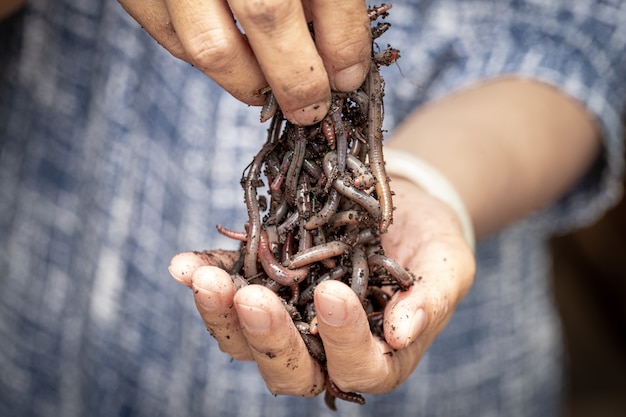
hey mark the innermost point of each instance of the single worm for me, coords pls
(250, 196)
(341, 136)
(324, 214)
(275, 270)
(375, 148)
(375, 12)
(317, 253)
(312, 169)
(314, 345)
(293, 173)
(241, 236)
(269, 107)
(360, 273)
(280, 176)
(319, 238)
(346, 217)
(402, 277)
(329, 131)
(335, 392)
(379, 29)
(290, 223)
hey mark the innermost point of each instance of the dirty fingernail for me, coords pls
(254, 319)
(408, 329)
(310, 114)
(349, 79)
(332, 310)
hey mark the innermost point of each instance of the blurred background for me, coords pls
(590, 290)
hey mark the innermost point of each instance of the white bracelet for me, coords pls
(432, 181)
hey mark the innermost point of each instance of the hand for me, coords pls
(252, 323)
(276, 50)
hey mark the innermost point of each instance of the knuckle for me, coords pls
(265, 15)
(211, 50)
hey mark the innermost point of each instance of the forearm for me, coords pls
(509, 147)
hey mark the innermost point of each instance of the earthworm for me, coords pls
(241, 236)
(317, 253)
(360, 197)
(293, 173)
(327, 210)
(269, 107)
(402, 277)
(363, 177)
(340, 135)
(314, 345)
(375, 149)
(362, 100)
(329, 131)
(290, 223)
(280, 176)
(375, 12)
(250, 197)
(319, 238)
(306, 296)
(312, 169)
(275, 270)
(345, 217)
(379, 29)
(360, 272)
(333, 392)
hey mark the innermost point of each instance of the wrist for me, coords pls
(420, 173)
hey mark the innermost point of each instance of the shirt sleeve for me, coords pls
(577, 47)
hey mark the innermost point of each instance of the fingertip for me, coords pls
(183, 265)
(337, 305)
(403, 326)
(212, 278)
(350, 78)
(308, 115)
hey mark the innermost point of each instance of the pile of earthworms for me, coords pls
(329, 202)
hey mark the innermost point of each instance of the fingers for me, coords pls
(356, 360)
(278, 33)
(277, 49)
(343, 39)
(183, 265)
(277, 347)
(154, 17)
(213, 293)
(213, 43)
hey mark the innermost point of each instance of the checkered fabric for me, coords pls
(114, 156)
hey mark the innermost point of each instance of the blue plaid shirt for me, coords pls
(114, 156)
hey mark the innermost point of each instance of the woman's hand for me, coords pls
(277, 48)
(252, 323)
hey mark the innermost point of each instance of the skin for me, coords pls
(277, 49)
(502, 135)
(509, 146)
(8, 7)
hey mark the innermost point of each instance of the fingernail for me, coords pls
(410, 326)
(205, 299)
(182, 267)
(332, 310)
(310, 114)
(254, 319)
(349, 79)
